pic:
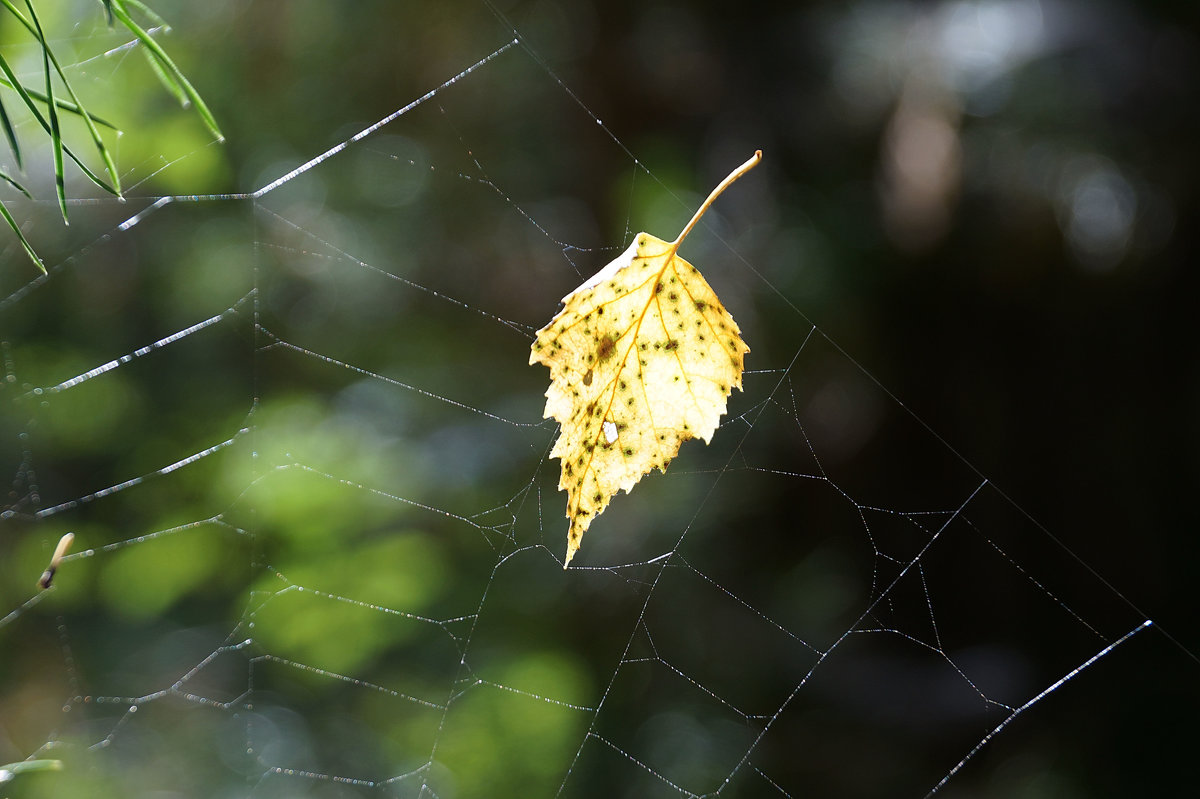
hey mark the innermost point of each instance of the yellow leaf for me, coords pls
(642, 357)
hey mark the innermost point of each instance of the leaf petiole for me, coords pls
(724, 184)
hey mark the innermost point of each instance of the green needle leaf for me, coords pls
(65, 105)
(52, 112)
(75, 106)
(10, 180)
(29, 766)
(168, 66)
(33, 109)
(165, 79)
(12, 223)
(11, 135)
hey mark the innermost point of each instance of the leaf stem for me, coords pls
(724, 184)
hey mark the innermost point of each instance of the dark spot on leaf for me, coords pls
(671, 345)
(701, 305)
(587, 377)
(608, 346)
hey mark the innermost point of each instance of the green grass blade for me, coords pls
(170, 85)
(10, 180)
(33, 109)
(109, 166)
(56, 142)
(146, 11)
(16, 12)
(155, 65)
(88, 173)
(52, 112)
(169, 67)
(108, 15)
(65, 105)
(75, 106)
(11, 135)
(29, 766)
(12, 223)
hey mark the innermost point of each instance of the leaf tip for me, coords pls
(574, 535)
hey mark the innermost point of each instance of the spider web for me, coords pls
(318, 536)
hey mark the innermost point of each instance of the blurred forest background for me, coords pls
(987, 209)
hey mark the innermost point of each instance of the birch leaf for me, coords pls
(642, 357)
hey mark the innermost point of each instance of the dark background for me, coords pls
(964, 269)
